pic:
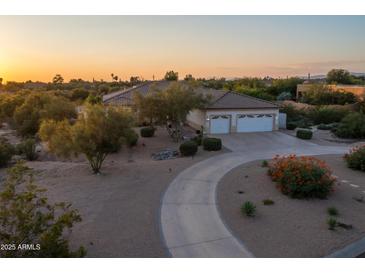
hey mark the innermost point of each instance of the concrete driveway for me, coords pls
(261, 141)
(190, 220)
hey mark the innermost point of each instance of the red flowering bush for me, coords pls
(356, 158)
(301, 177)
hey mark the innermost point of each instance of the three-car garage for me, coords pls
(241, 122)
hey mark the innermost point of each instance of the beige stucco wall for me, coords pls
(196, 118)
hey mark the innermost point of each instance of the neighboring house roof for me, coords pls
(220, 99)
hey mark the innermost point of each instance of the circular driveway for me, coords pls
(190, 221)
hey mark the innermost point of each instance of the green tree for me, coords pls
(36, 107)
(57, 79)
(320, 94)
(104, 89)
(79, 94)
(97, 132)
(134, 80)
(171, 106)
(148, 108)
(93, 99)
(8, 104)
(26, 217)
(339, 76)
(189, 77)
(6, 151)
(171, 76)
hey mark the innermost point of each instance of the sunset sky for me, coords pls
(38, 47)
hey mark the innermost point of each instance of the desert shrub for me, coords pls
(147, 131)
(248, 209)
(212, 144)
(6, 152)
(79, 94)
(27, 217)
(131, 138)
(304, 134)
(264, 163)
(38, 107)
(188, 148)
(268, 202)
(301, 123)
(93, 99)
(292, 113)
(104, 89)
(301, 177)
(291, 125)
(355, 159)
(332, 211)
(28, 148)
(326, 114)
(331, 126)
(197, 140)
(332, 223)
(323, 95)
(352, 126)
(284, 96)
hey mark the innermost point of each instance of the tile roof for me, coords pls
(220, 99)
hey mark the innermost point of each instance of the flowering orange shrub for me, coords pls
(301, 176)
(356, 158)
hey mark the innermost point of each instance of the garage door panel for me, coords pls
(219, 124)
(255, 122)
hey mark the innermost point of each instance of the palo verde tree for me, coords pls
(170, 107)
(148, 108)
(26, 218)
(97, 132)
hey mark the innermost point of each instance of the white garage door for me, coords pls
(219, 124)
(255, 122)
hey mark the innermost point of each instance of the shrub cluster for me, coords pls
(326, 114)
(131, 138)
(331, 126)
(291, 125)
(28, 149)
(6, 152)
(301, 177)
(147, 131)
(212, 144)
(356, 158)
(188, 148)
(304, 134)
(352, 126)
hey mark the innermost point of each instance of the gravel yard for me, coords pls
(120, 207)
(292, 227)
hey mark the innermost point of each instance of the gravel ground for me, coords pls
(326, 138)
(291, 227)
(120, 208)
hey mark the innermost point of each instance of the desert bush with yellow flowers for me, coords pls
(301, 176)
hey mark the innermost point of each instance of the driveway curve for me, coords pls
(190, 220)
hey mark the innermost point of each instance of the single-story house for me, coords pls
(227, 112)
